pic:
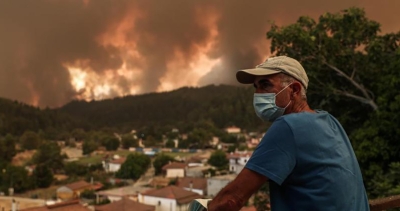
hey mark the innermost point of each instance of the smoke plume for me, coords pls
(53, 51)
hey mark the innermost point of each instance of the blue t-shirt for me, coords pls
(310, 164)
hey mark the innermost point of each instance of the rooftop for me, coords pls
(181, 195)
(125, 204)
(174, 165)
(124, 191)
(197, 183)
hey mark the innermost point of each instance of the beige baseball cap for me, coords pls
(274, 65)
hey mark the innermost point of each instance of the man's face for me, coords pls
(273, 84)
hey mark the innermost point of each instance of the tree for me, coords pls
(7, 148)
(160, 160)
(15, 177)
(49, 154)
(134, 166)
(170, 144)
(42, 176)
(353, 72)
(261, 198)
(128, 141)
(89, 146)
(75, 169)
(29, 140)
(199, 138)
(78, 134)
(219, 159)
(111, 143)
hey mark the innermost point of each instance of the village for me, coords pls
(188, 176)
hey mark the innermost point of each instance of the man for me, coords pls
(305, 155)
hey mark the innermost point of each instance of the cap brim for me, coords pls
(248, 76)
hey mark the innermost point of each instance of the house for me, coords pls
(197, 185)
(63, 206)
(174, 169)
(117, 194)
(215, 184)
(195, 161)
(125, 204)
(113, 165)
(74, 190)
(225, 146)
(237, 160)
(253, 142)
(198, 171)
(233, 130)
(169, 198)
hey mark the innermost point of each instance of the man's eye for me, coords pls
(264, 86)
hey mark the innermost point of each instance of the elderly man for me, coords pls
(305, 155)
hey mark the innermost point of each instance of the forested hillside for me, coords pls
(17, 117)
(223, 105)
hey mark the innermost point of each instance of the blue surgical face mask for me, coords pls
(265, 107)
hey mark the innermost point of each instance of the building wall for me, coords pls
(173, 173)
(236, 168)
(215, 185)
(161, 204)
(113, 167)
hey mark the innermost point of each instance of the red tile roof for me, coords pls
(181, 195)
(197, 183)
(125, 204)
(63, 206)
(174, 165)
(78, 185)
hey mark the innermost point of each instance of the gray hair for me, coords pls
(287, 79)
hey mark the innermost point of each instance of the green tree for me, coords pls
(199, 138)
(111, 143)
(353, 72)
(49, 154)
(29, 140)
(134, 166)
(159, 161)
(75, 169)
(78, 134)
(170, 144)
(15, 177)
(7, 148)
(42, 176)
(89, 146)
(219, 159)
(128, 141)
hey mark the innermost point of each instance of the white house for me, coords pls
(174, 169)
(113, 165)
(215, 184)
(237, 160)
(169, 198)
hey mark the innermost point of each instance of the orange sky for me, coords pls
(53, 51)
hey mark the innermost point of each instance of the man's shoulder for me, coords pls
(304, 116)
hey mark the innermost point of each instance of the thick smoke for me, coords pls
(141, 46)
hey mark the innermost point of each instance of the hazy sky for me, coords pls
(53, 51)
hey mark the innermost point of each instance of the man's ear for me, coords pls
(296, 88)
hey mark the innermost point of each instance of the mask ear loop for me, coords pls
(283, 89)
